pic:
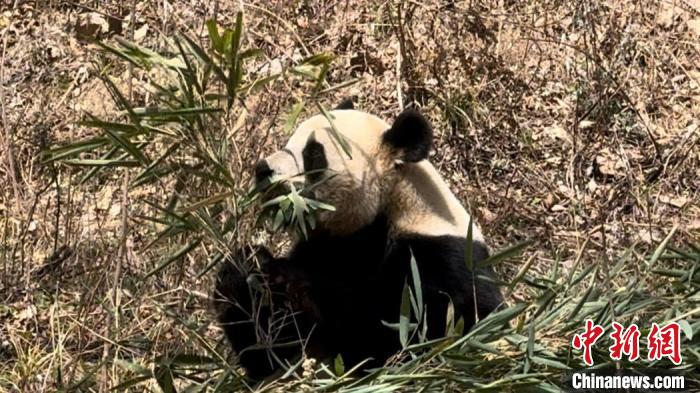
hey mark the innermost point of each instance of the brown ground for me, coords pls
(562, 121)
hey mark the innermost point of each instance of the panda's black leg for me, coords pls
(257, 314)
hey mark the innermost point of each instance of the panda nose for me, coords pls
(262, 171)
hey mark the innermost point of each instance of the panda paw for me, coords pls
(292, 285)
(232, 278)
(255, 292)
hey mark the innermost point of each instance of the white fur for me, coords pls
(423, 204)
(367, 183)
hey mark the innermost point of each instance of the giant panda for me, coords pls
(339, 289)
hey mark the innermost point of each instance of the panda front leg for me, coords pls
(262, 304)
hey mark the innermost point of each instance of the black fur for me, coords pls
(345, 104)
(255, 311)
(315, 161)
(262, 171)
(411, 135)
(348, 285)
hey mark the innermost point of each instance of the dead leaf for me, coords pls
(678, 201)
(91, 25)
(487, 215)
(557, 132)
(592, 186)
(94, 25)
(583, 124)
(667, 14)
(140, 33)
(4, 21)
(648, 238)
(694, 27)
(115, 209)
(106, 199)
(694, 225)
(548, 201)
(694, 79)
(609, 164)
(27, 313)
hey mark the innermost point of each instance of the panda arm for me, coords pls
(257, 310)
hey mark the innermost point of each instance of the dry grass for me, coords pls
(573, 123)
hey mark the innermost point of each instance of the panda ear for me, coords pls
(410, 135)
(346, 104)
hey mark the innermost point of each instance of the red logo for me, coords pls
(665, 342)
(587, 339)
(662, 342)
(624, 342)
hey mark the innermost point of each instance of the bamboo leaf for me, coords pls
(339, 366)
(169, 259)
(318, 59)
(207, 201)
(521, 274)
(469, 247)
(250, 53)
(172, 114)
(307, 70)
(258, 84)
(204, 58)
(189, 67)
(164, 377)
(476, 344)
(148, 57)
(237, 35)
(129, 147)
(686, 328)
(339, 86)
(505, 254)
(334, 131)
(585, 272)
(95, 169)
(127, 129)
(660, 249)
(103, 163)
(293, 116)
(214, 37)
(321, 78)
(314, 204)
(124, 386)
(228, 45)
(66, 151)
(499, 318)
(405, 315)
(133, 367)
(119, 99)
(417, 286)
(549, 362)
(119, 53)
(187, 359)
(149, 171)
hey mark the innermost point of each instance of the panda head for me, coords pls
(352, 164)
(365, 167)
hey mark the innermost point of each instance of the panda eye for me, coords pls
(314, 156)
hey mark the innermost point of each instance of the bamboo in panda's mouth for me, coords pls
(289, 204)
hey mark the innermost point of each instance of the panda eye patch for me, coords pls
(314, 156)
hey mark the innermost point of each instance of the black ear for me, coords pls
(315, 161)
(411, 135)
(346, 104)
